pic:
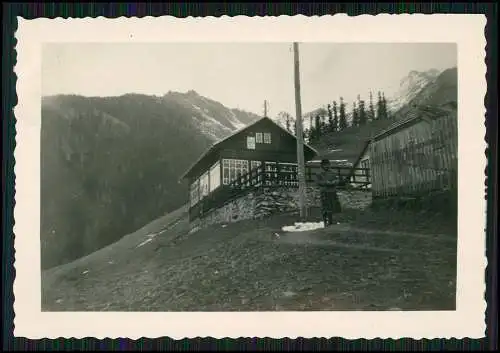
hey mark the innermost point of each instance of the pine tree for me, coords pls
(322, 123)
(335, 125)
(380, 107)
(361, 112)
(330, 118)
(317, 126)
(355, 116)
(342, 115)
(384, 105)
(371, 111)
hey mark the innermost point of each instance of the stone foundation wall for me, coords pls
(281, 200)
(269, 201)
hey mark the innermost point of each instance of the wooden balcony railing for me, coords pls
(273, 176)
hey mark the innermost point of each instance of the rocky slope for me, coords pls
(410, 86)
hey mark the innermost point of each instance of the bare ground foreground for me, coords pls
(372, 260)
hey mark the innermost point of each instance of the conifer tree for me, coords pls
(361, 112)
(335, 124)
(355, 116)
(330, 118)
(317, 126)
(322, 122)
(380, 107)
(371, 111)
(384, 105)
(342, 115)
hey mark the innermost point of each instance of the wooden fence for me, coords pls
(272, 176)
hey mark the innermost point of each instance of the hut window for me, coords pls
(267, 137)
(215, 176)
(251, 142)
(195, 196)
(255, 164)
(204, 185)
(231, 168)
(258, 137)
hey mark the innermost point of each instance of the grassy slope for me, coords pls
(244, 266)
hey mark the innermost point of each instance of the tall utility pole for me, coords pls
(265, 108)
(300, 136)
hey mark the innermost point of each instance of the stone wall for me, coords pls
(268, 201)
(280, 200)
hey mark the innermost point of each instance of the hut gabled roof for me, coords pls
(216, 146)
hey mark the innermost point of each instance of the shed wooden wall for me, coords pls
(360, 177)
(416, 159)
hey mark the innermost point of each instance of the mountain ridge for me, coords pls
(111, 164)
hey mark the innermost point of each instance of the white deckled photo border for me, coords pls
(467, 31)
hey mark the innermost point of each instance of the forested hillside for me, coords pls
(110, 165)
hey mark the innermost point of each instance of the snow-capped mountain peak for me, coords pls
(410, 86)
(210, 117)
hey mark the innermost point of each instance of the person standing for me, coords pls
(328, 183)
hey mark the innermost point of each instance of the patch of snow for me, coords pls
(235, 121)
(211, 128)
(145, 242)
(195, 229)
(110, 262)
(224, 226)
(59, 301)
(289, 294)
(85, 272)
(304, 226)
(409, 87)
(211, 120)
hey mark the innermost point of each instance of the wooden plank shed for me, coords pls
(415, 155)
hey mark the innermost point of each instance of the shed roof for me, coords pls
(365, 147)
(413, 116)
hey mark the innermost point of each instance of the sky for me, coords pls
(239, 75)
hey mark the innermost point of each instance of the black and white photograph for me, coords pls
(252, 176)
